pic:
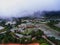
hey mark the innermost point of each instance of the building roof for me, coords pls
(1, 27)
(22, 44)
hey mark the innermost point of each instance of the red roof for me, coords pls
(21, 44)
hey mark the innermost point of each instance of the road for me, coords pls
(48, 40)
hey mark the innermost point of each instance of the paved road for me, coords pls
(48, 31)
(48, 40)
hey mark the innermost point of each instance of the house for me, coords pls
(1, 28)
(10, 22)
(19, 35)
(22, 26)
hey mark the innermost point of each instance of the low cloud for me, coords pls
(9, 8)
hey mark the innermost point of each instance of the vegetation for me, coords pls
(52, 15)
(44, 44)
(51, 24)
(56, 41)
(41, 41)
(10, 37)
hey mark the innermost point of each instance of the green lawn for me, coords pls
(28, 31)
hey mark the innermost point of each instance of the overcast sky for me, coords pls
(15, 8)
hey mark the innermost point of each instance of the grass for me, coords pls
(53, 27)
(41, 40)
(28, 31)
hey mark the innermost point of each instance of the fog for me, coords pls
(16, 8)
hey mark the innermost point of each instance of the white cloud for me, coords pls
(14, 7)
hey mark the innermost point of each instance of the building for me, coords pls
(10, 22)
(1, 28)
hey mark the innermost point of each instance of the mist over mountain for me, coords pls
(37, 14)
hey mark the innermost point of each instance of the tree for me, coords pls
(39, 33)
(51, 38)
(18, 20)
(2, 23)
(51, 15)
(44, 44)
(1, 37)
